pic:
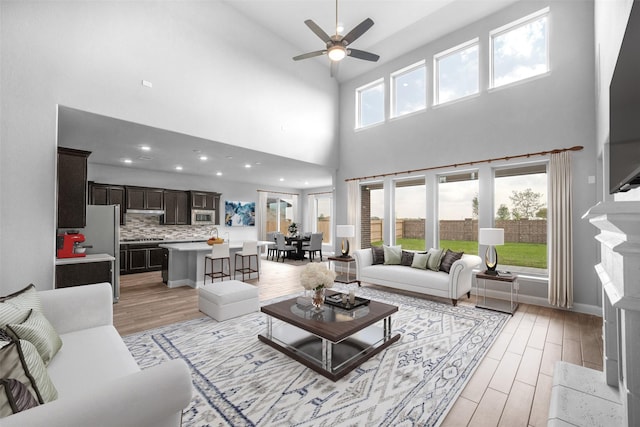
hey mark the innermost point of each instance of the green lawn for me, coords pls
(521, 254)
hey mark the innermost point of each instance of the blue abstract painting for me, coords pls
(239, 214)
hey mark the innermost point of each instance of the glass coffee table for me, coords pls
(332, 341)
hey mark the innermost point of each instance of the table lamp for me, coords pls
(491, 237)
(345, 231)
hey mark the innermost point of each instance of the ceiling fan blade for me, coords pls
(361, 54)
(357, 31)
(333, 70)
(317, 30)
(309, 55)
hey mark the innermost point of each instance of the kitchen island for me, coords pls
(186, 261)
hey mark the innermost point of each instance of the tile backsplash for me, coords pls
(148, 226)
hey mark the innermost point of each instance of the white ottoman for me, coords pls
(224, 300)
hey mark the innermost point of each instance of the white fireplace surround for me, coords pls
(582, 396)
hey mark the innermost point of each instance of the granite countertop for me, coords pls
(203, 246)
(85, 259)
(170, 240)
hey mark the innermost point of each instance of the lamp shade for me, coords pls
(491, 236)
(345, 231)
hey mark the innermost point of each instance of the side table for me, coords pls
(342, 277)
(497, 304)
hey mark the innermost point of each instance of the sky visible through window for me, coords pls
(372, 105)
(410, 91)
(520, 53)
(456, 203)
(458, 74)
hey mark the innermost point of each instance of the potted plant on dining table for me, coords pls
(293, 229)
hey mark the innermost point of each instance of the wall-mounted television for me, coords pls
(624, 110)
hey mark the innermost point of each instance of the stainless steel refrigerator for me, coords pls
(103, 234)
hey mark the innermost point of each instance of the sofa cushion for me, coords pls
(37, 330)
(448, 259)
(16, 395)
(20, 360)
(90, 357)
(406, 275)
(377, 254)
(407, 258)
(435, 255)
(420, 260)
(14, 308)
(392, 255)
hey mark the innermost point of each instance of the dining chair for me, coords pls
(249, 251)
(315, 245)
(271, 249)
(219, 252)
(282, 248)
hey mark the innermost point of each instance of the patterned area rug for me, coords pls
(240, 381)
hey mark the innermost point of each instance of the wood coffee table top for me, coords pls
(334, 331)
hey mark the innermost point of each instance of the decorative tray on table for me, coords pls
(336, 301)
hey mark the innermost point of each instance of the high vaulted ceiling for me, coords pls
(400, 25)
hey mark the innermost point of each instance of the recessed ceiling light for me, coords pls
(127, 161)
(203, 158)
(219, 173)
(178, 168)
(306, 183)
(145, 148)
(281, 179)
(247, 165)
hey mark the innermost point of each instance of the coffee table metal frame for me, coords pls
(331, 348)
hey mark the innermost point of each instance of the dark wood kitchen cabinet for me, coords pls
(176, 207)
(72, 187)
(85, 273)
(105, 194)
(123, 260)
(204, 200)
(143, 257)
(145, 198)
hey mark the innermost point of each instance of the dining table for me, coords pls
(298, 241)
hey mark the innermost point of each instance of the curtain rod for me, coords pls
(455, 165)
(322, 192)
(278, 192)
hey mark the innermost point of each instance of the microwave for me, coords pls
(202, 217)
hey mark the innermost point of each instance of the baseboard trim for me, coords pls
(542, 302)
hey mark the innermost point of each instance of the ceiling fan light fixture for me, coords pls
(337, 53)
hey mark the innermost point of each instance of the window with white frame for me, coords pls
(520, 50)
(456, 72)
(410, 212)
(408, 89)
(370, 104)
(520, 208)
(458, 211)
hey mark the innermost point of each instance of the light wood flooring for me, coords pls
(511, 387)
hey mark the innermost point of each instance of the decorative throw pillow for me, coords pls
(420, 260)
(378, 255)
(17, 396)
(392, 255)
(20, 361)
(37, 330)
(448, 259)
(435, 255)
(407, 258)
(15, 308)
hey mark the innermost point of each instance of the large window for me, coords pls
(456, 72)
(520, 207)
(323, 218)
(408, 89)
(372, 214)
(279, 214)
(410, 209)
(370, 104)
(520, 49)
(458, 212)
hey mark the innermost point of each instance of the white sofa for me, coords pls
(452, 285)
(97, 378)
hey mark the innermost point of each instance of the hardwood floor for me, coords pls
(511, 387)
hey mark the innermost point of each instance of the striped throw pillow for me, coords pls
(15, 308)
(37, 330)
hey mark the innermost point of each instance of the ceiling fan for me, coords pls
(336, 45)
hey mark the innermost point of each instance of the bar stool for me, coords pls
(218, 252)
(249, 250)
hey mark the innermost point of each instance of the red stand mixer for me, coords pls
(68, 245)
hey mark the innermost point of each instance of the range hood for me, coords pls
(145, 211)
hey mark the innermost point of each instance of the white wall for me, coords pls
(215, 75)
(549, 112)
